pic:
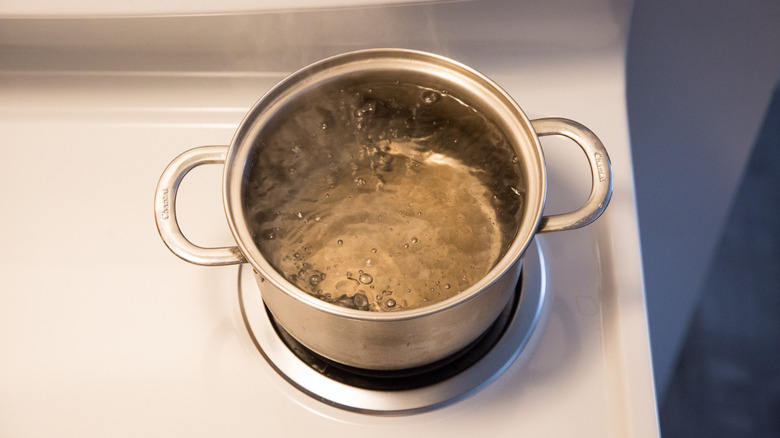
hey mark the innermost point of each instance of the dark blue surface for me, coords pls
(727, 379)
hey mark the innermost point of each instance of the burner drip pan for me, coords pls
(401, 391)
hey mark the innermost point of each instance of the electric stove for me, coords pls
(106, 333)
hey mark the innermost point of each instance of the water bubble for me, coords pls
(366, 109)
(447, 286)
(391, 303)
(360, 300)
(430, 97)
(365, 277)
(414, 240)
(340, 241)
(324, 126)
(387, 292)
(406, 245)
(314, 280)
(373, 250)
(514, 159)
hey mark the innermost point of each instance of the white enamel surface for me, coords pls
(124, 8)
(105, 333)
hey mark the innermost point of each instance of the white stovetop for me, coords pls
(91, 8)
(105, 333)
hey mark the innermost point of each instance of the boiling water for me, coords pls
(383, 198)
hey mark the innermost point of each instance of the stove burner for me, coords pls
(407, 391)
(398, 380)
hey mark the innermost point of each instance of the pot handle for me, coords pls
(165, 209)
(600, 169)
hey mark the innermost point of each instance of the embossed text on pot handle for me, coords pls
(165, 209)
(600, 168)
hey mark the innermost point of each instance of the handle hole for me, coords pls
(568, 175)
(200, 212)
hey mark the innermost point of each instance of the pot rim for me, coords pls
(520, 132)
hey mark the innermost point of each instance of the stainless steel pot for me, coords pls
(407, 338)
